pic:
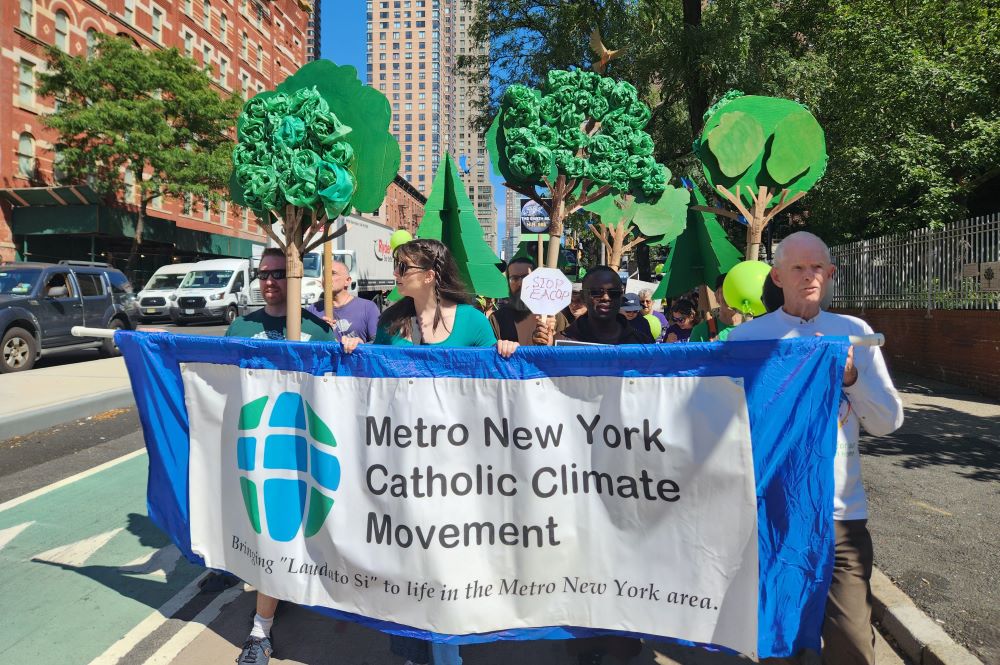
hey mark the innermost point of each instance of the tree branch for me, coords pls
(531, 194)
(586, 200)
(717, 211)
(326, 237)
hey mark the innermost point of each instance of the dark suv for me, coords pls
(41, 302)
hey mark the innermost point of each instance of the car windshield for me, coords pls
(164, 282)
(312, 265)
(207, 279)
(18, 281)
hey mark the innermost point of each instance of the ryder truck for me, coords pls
(364, 248)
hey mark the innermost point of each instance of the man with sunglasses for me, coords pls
(513, 321)
(269, 323)
(602, 324)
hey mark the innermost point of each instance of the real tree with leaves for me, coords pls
(572, 142)
(152, 113)
(315, 147)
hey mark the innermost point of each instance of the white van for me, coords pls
(153, 302)
(213, 290)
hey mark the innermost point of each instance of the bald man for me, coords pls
(803, 270)
(352, 317)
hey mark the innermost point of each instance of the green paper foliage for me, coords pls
(698, 255)
(755, 141)
(324, 109)
(449, 216)
(659, 222)
(541, 134)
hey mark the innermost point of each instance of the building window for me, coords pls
(206, 55)
(206, 209)
(206, 20)
(223, 71)
(186, 209)
(223, 212)
(260, 58)
(26, 83)
(189, 44)
(223, 27)
(91, 43)
(58, 172)
(245, 46)
(129, 181)
(27, 22)
(245, 85)
(245, 219)
(130, 11)
(26, 155)
(189, 7)
(62, 30)
(157, 25)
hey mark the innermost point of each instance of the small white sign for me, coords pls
(546, 291)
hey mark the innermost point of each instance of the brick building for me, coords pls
(403, 207)
(248, 46)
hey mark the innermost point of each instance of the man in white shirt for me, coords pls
(803, 270)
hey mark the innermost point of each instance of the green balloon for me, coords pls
(655, 326)
(744, 287)
(658, 270)
(400, 237)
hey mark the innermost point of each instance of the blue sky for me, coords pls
(342, 39)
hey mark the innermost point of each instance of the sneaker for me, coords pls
(256, 651)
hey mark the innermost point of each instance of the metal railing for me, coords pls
(956, 266)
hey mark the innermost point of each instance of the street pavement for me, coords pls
(95, 581)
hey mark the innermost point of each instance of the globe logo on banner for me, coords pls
(286, 466)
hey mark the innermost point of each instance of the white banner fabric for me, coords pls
(474, 505)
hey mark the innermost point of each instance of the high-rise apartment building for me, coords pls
(246, 45)
(512, 223)
(313, 32)
(413, 48)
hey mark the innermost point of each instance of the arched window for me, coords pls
(27, 22)
(223, 27)
(62, 30)
(26, 155)
(91, 43)
(58, 172)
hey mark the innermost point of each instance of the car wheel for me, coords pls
(18, 351)
(108, 348)
(230, 315)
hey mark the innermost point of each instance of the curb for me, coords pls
(919, 637)
(57, 414)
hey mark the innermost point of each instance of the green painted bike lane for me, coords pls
(81, 565)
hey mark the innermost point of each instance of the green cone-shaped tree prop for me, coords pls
(307, 152)
(761, 154)
(576, 140)
(450, 217)
(654, 223)
(698, 255)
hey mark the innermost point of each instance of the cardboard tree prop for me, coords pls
(761, 154)
(698, 255)
(308, 151)
(450, 217)
(653, 223)
(576, 140)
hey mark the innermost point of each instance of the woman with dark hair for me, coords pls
(435, 309)
(683, 317)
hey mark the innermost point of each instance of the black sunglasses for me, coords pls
(264, 275)
(611, 293)
(401, 267)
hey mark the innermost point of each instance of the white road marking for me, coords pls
(10, 533)
(182, 638)
(76, 554)
(7, 505)
(148, 625)
(158, 563)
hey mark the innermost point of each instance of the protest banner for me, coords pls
(460, 497)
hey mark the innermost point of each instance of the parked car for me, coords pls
(154, 299)
(212, 291)
(41, 302)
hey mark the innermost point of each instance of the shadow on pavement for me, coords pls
(935, 435)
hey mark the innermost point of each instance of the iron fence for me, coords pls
(956, 266)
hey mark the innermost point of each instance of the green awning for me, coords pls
(50, 196)
(88, 220)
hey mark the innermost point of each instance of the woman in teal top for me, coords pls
(435, 309)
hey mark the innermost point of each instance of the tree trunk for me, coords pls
(140, 224)
(697, 95)
(328, 279)
(753, 242)
(618, 233)
(293, 272)
(555, 231)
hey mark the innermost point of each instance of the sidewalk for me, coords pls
(41, 398)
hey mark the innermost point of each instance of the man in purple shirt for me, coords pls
(352, 317)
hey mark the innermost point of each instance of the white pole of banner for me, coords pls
(876, 339)
(81, 331)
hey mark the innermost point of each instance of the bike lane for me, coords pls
(81, 565)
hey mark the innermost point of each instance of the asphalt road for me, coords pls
(934, 497)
